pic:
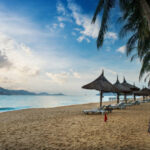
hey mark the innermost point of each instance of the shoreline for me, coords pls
(104, 103)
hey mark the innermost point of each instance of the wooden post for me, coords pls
(125, 98)
(134, 97)
(101, 97)
(117, 98)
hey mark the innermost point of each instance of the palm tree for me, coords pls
(105, 6)
(136, 19)
(138, 43)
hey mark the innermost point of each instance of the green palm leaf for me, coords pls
(98, 10)
(104, 24)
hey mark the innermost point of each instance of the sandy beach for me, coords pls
(67, 128)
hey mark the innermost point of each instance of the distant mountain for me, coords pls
(23, 92)
(14, 92)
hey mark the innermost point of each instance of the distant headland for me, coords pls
(4, 91)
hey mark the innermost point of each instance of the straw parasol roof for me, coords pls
(148, 91)
(121, 87)
(130, 86)
(135, 88)
(101, 84)
(142, 92)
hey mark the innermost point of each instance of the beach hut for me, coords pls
(123, 89)
(101, 84)
(131, 87)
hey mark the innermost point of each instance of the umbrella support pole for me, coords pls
(117, 98)
(101, 97)
(125, 98)
(134, 97)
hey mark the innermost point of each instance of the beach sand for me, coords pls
(67, 128)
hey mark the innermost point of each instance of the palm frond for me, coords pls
(133, 57)
(148, 75)
(149, 83)
(104, 27)
(98, 10)
(145, 65)
(130, 46)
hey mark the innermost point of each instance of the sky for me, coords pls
(50, 46)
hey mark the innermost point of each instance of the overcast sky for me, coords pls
(50, 46)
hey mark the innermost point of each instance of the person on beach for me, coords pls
(105, 117)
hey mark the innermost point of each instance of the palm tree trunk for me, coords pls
(146, 10)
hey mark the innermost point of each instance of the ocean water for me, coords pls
(10, 103)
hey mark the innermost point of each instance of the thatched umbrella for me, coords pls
(101, 84)
(147, 90)
(130, 86)
(135, 89)
(143, 92)
(123, 89)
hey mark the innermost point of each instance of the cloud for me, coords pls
(81, 38)
(64, 15)
(64, 18)
(76, 75)
(63, 77)
(5, 80)
(121, 49)
(20, 66)
(86, 30)
(62, 25)
(58, 78)
(18, 57)
(30, 71)
(111, 35)
(60, 8)
(83, 21)
(4, 62)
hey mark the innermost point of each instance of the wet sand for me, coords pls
(67, 128)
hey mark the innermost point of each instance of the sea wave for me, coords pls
(6, 108)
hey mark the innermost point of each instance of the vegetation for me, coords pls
(135, 16)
